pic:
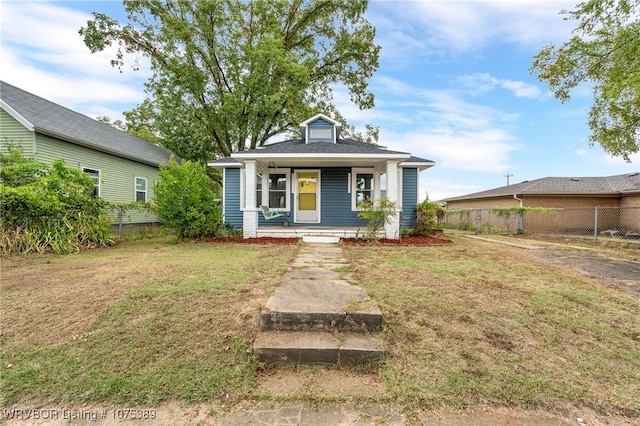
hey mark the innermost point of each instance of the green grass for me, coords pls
(150, 321)
(182, 335)
(478, 323)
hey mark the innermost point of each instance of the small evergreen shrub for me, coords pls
(185, 200)
(428, 216)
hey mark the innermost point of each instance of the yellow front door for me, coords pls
(307, 200)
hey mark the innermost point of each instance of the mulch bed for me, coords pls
(412, 240)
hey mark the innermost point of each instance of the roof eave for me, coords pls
(16, 115)
(325, 156)
(420, 165)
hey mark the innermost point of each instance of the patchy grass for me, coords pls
(477, 322)
(142, 323)
(150, 321)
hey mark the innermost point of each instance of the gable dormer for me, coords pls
(320, 128)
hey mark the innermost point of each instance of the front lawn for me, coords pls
(470, 323)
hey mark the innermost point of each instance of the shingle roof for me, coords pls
(342, 146)
(607, 185)
(52, 119)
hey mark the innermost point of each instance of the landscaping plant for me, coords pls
(376, 214)
(185, 200)
(428, 215)
(48, 208)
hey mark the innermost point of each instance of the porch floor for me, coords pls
(305, 231)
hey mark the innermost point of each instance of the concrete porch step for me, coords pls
(319, 304)
(317, 347)
(358, 322)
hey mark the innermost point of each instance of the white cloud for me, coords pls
(444, 28)
(482, 82)
(483, 150)
(439, 189)
(43, 53)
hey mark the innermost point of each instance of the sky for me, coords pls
(453, 86)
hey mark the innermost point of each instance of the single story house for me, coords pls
(122, 166)
(573, 197)
(314, 185)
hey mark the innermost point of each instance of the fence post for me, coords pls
(521, 222)
(120, 214)
(595, 226)
(478, 221)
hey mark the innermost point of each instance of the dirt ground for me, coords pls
(615, 268)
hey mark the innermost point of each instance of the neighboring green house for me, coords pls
(122, 166)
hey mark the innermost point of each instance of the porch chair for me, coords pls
(270, 214)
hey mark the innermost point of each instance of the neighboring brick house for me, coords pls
(574, 195)
(122, 166)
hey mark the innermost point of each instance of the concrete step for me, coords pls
(317, 347)
(320, 304)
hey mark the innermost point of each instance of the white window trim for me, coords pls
(400, 191)
(265, 187)
(93, 169)
(376, 185)
(135, 188)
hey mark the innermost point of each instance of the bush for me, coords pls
(48, 208)
(185, 200)
(428, 215)
(377, 215)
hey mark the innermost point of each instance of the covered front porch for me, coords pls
(295, 231)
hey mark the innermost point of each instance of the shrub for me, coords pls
(377, 215)
(185, 200)
(48, 208)
(428, 215)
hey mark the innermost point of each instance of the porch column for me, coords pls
(392, 229)
(250, 214)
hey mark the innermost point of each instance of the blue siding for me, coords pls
(336, 201)
(320, 124)
(232, 213)
(409, 197)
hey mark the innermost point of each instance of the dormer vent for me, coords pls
(320, 128)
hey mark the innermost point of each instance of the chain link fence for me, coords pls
(610, 222)
(131, 217)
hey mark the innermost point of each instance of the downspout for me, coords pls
(520, 215)
(519, 199)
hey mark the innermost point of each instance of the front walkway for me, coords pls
(316, 317)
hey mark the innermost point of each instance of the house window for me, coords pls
(258, 190)
(141, 189)
(363, 187)
(95, 177)
(278, 190)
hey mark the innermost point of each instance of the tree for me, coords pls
(185, 201)
(139, 122)
(606, 52)
(230, 74)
